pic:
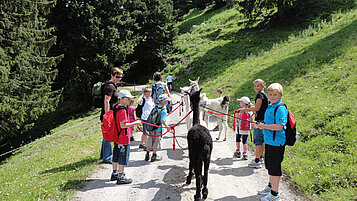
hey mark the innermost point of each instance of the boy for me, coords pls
(148, 105)
(274, 148)
(158, 87)
(220, 99)
(154, 142)
(121, 148)
(169, 82)
(261, 104)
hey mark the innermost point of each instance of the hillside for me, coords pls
(317, 65)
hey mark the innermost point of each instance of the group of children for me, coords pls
(266, 125)
(126, 121)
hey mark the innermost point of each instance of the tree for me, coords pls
(27, 71)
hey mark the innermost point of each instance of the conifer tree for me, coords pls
(26, 70)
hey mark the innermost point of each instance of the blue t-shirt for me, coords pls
(281, 118)
(162, 116)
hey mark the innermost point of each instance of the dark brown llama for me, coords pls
(199, 149)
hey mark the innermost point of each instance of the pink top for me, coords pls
(132, 117)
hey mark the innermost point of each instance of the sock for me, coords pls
(154, 154)
(269, 185)
(257, 160)
(238, 150)
(275, 193)
(120, 175)
(261, 156)
(115, 171)
(148, 152)
(244, 152)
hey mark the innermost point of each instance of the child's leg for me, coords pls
(245, 144)
(274, 180)
(238, 137)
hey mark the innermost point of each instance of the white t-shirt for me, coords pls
(169, 78)
(149, 104)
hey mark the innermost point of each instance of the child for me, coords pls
(149, 104)
(274, 148)
(261, 104)
(132, 118)
(158, 87)
(154, 142)
(121, 148)
(243, 128)
(220, 99)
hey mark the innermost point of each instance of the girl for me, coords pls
(243, 127)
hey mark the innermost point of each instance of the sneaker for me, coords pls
(262, 161)
(141, 146)
(131, 138)
(271, 197)
(153, 157)
(147, 156)
(265, 191)
(124, 180)
(114, 176)
(245, 156)
(253, 164)
(237, 154)
(216, 128)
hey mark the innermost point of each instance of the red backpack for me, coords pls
(109, 127)
(290, 128)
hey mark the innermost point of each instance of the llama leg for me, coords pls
(225, 130)
(205, 179)
(189, 176)
(220, 128)
(198, 175)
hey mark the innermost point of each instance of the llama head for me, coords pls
(195, 96)
(194, 84)
(225, 102)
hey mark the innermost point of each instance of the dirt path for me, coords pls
(229, 178)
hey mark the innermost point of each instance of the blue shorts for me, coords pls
(121, 156)
(258, 137)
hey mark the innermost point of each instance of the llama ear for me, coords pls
(198, 79)
(190, 80)
(200, 90)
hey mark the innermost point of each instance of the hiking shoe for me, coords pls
(237, 154)
(124, 180)
(153, 157)
(271, 197)
(245, 156)
(131, 138)
(216, 128)
(147, 156)
(265, 191)
(114, 176)
(253, 164)
(141, 146)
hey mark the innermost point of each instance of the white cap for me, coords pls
(244, 99)
(163, 98)
(125, 93)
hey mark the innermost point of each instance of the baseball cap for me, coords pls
(163, 98)
(244, 99)
(125, 93)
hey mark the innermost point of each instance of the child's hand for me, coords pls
(137, 123)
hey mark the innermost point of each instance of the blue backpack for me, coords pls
(157, 89)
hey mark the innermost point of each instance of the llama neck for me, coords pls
(196, 113)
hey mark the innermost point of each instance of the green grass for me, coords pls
(53, 167)
(317, 65)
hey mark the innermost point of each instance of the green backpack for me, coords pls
(97, 94)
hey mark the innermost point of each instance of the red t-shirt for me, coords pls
(122, 116)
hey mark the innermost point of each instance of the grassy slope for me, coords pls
(317, 66)
(53, 167)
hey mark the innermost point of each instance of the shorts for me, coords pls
(274, 156)
(258, 137)
(154, 142)
(121, 156)
(244, 138)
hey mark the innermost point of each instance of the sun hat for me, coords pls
(163, 98)
(125, 93)
(244, 99)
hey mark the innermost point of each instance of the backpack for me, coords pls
(157, 90)
(290, 128)
(110, 129)
(154, 118)
(97, 94)
(139, 109)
